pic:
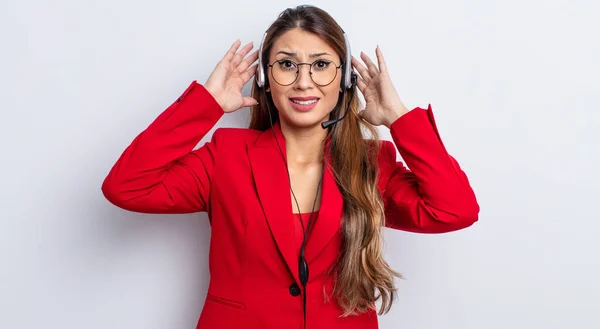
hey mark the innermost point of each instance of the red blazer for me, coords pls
(239, 179)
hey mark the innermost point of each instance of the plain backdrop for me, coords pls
(514, 86)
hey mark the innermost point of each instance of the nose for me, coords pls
(304, 80)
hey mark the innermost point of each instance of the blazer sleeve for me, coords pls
(159, 172)
(433, 194)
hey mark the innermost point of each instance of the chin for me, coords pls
(305, 120)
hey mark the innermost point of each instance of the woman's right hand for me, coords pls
(231, 74)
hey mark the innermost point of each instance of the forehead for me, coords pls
(303, 44)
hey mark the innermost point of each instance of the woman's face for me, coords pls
(304, 103)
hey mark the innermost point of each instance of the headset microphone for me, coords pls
(326, 124)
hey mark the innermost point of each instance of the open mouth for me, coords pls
(304, 104)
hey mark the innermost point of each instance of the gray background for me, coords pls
(514, 86)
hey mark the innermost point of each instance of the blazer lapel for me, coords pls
(273, 187)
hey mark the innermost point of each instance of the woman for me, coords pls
(267, 187)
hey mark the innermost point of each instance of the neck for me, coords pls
(304, 146)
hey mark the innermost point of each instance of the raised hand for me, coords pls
(230, 75)
(383, 105)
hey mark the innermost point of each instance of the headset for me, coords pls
(349, 78)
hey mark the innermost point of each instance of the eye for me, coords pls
(286, 64)
(321, 64)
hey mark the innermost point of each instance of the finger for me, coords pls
(249, 101)
(380, 60)
(231, 52)
(361, 116)
(249, 73)
(372, 67)
(361, 84)
(241, 54)
(248, 60)
(237, 59)
(362, 70)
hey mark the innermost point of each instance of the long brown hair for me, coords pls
(361, 274)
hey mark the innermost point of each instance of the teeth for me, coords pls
(304, 102)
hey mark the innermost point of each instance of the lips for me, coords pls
(307, 98)
(304, 104)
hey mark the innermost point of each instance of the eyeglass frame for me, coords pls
(309, 71)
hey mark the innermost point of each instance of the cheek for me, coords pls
(331, 98)
(279, 97)
(332, 92)
(278, 94)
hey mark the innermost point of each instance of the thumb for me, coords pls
(360, 113)
(249, 101)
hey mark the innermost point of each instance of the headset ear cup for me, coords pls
(261, 74)
(347, 63)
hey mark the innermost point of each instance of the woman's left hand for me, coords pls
(383, 105)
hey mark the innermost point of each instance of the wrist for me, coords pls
(394, 115)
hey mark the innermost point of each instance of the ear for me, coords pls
(268, 89)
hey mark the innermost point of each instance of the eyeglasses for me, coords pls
(285, 71)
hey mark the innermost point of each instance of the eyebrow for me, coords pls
(294, 54)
